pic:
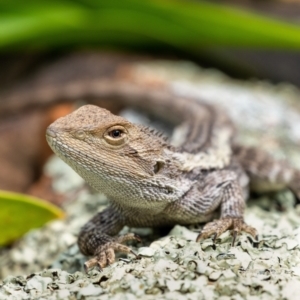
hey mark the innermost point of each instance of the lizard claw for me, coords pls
(217, 227)
(105, 254)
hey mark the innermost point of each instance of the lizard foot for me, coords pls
(217, 227)
(105, 254)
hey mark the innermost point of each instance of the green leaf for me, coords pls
(187, 26)
(19, 213)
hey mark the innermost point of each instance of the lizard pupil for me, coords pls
(116, 133)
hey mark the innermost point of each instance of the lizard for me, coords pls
(151, 181)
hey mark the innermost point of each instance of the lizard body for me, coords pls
(151, 182)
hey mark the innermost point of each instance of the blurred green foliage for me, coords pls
(19, 213)
(185, 25)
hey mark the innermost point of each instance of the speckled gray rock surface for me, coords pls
(46, 263)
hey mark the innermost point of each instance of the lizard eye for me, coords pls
(116, 135)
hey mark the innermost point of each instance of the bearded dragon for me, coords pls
(152, 182)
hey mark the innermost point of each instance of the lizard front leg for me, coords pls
(213, 190)
(232, 210)
(96, 238)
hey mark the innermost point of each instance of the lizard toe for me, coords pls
(128, 237)
(250, 230)
(105, 254)
(102, 260)
(217, 227)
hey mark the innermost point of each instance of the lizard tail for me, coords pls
(267, 173)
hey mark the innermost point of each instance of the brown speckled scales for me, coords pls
(153, 183)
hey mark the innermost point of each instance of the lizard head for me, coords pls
(111, 153)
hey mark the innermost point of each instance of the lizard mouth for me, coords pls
(50, 133)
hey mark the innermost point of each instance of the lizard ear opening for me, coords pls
(158, 166)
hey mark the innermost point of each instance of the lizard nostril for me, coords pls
(50, 132)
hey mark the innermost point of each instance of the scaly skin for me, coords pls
(152, 183)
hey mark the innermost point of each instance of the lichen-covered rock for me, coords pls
(175, 266)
